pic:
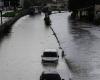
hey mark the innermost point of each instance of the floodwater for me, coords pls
(81, 44)
(21, 50)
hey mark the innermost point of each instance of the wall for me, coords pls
(1, 3)
(21, 3)
(97, 11)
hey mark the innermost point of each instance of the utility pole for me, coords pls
(1, 16)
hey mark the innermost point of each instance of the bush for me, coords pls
(9, 14)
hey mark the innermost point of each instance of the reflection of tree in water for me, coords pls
(79, 61)
(5, 33)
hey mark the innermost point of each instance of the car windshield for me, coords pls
(51, 77)
(50, 54)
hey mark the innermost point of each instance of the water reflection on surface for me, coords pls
(81, 43)
(20, 52)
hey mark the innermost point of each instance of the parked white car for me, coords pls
(50, 55)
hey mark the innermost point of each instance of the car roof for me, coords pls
(50, 72)
(50, 50)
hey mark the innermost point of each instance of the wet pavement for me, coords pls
(81, 43)
(21, 50)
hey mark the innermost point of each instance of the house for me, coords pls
(56, 4)
(21, 3)
(89, 11)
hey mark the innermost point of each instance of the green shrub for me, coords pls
(9, 14)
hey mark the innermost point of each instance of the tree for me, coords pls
(14, 3)
(28, 3)
(78, 4)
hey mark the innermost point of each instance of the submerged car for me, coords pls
(50, 55)
(50, 76)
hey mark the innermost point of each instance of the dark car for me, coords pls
(31, 11)
(50, 76)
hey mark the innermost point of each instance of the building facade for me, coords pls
(97, 9)
(57, 4)
(50, 3)
(21, 3)
(1, 3)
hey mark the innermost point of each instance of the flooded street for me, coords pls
(81, 43)
(21, 50)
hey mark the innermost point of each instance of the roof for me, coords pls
(50, 50)
(50, 72)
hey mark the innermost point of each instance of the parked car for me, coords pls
(50, 76)
(31, 11)
(50, 55)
